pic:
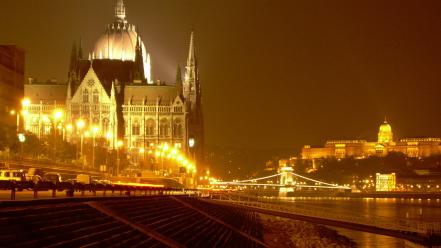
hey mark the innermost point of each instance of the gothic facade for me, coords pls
(111, 96)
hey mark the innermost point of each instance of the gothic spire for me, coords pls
(139, 63)
(73, 58)
(191, 60)
(179, 80)
(191, 86)
(80, 50)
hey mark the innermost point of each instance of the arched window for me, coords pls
(135, 128)
(177, 128)
(105, 126)
(85, 96)
(150, 127)
(96, 96)
(163, 128)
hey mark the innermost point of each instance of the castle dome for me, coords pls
(385, 134)
(385, 127)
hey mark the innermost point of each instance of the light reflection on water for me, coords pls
(398, 208)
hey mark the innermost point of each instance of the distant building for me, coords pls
(412, 147)
(114, 96)
(12, 61)
(385, 182)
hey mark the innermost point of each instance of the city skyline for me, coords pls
(301, 66)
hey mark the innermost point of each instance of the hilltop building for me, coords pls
(412, 147)
(112, 95)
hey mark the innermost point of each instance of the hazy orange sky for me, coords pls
(275, 74)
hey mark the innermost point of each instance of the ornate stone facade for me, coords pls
(111, 97)
(412, 147)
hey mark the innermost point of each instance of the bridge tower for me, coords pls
(286, 175)
(286, 180)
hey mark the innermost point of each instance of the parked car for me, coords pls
(52, 177)
(35, 175)
(12, 175)
(83, 179)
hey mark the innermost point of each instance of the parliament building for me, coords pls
(411, 147)
(110, 95)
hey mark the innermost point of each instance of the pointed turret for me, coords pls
(80, 50)
(179, 80)
(139, 64)
(191, 87)
(73, 74)
(73, 58)
(191, 59)
(112, 92)
(192, 96)
(69, 91)
(148, 70)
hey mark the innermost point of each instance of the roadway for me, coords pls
(26, 195)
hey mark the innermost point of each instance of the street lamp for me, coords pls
(80, 125)
(119, 144)
(95, 130)
(57, 116)
(22, 139)
(25, 102)
(17, 116)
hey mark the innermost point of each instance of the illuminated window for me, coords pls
(150, 127)
(96, 96)
(164, 128)
(177, 128)
(105, 125)
(135, 128)
(85, 96)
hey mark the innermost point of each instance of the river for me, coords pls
(399, 208)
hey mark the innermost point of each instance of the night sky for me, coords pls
(274, 74)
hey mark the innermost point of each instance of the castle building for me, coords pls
(111, 96)
(412, 147)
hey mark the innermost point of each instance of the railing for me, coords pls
(16, 188)
(425, 228)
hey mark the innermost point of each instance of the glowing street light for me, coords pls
(80, 124)
(22, 139)
(191, 142)
(25, 102)
(69, 127)
(58, 114)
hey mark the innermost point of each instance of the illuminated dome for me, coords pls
(385, 128)
(120, 40)
(385, 134)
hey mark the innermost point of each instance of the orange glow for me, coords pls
(140, 184)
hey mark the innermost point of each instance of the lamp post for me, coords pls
(164, 149)
(119, 144)
(22, 139)
(80, 125)
(57, 115)
(17, 116)
(95, 130)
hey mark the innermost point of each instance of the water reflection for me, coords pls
(397, 208)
